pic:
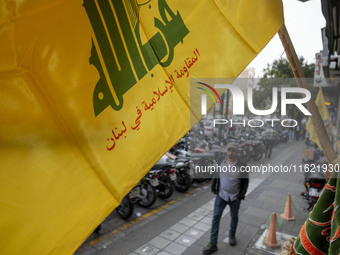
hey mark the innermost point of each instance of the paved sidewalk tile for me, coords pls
(188, 222)
(175, 249)
(256, 212)
(202, 211)
(147, 249)
(194, 233)
(159, 242)
(202, 226)
(268, 199)
(163, 253)
(280, 184)
(208, 207)
(170, 234)
(206, 220)
(186, 240)
(196, 216)
(181, 228)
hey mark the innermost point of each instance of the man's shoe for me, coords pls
(232, 241)
(210, 248)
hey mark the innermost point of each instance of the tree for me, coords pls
(280, 74)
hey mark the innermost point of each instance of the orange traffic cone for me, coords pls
(287, 215)
(270, 241)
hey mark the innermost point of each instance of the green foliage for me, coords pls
(280, 68)
(279, 74)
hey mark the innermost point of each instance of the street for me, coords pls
(181, 224)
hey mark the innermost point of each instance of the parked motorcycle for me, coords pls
(126, 207)
(183, 180)
(245, 150)
(315, 179)
(284, 136)
(201, 161)
(147, 187)
(97, 230)
(180, 157)
(167, 176)
(257, 149)
(315, 183)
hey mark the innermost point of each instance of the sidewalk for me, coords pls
(256, 210)
(183, 227)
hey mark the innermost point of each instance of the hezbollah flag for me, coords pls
(320, 103)
(94, 92)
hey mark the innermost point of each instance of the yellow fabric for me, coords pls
(320, 103)
(64, 165)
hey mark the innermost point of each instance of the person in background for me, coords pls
(230, 188)
(332, 113)
(269, 141)
(297, 132)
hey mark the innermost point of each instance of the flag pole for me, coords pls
(317, 121)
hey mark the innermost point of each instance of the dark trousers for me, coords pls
(219, 206)
(269, 144)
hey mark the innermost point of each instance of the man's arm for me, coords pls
(214, 186)
(244, 187)
(244, 184)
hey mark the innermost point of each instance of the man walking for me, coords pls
(230, 188)
(269, 141)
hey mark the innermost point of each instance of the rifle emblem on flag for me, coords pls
(118, 53)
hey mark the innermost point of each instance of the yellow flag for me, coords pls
(94, 92)
(320, 103)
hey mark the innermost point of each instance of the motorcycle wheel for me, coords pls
(244, 155)
(125, 209)
(183, 181)
(97, 230)
(311, 201)
(148, 195)
(257, 154)
(165, 189)
(201, 180)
